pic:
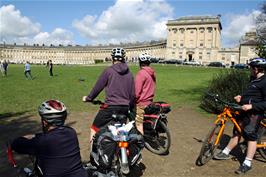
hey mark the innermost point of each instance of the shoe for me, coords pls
(222, 156)
(242, 169)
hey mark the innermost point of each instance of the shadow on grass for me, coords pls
(13, 125)
(12, 114)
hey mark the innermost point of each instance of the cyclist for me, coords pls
(144, 88)
(118, 82)
(253, 101)
(56, 148)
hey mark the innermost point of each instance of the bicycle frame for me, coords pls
(226, 115)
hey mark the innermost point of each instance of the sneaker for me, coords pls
(242, 169)
(222, 156)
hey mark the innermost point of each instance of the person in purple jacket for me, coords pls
(118, 82)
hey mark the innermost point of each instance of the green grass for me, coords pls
(176, 85)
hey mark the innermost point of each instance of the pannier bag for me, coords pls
(158, 107)
(104, 147)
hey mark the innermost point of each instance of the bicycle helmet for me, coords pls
(118, 54)
(144, 57)
(258, 62)
(54, 112)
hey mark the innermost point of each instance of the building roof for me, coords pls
(250, 42)
(190, 20)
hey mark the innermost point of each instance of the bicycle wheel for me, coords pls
(160, 143)
(208, 148)
(262, 140)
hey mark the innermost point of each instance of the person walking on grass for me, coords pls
(27, 71)
(145, 83)
(253, 101)
(50, 67)
(5, 66)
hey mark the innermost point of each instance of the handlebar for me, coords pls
(97, 102)
(225, 103)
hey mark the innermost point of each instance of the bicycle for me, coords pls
(116, 147)
(213, 138)
(157, 137)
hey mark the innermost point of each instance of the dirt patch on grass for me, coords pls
(187, 127)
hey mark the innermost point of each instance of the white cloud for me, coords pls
(16, 28)
(14, 25)
(127, 21)
(236, 25)
(58, 36)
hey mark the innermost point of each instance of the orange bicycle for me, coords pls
(212, 140)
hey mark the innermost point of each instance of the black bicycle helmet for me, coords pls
(258, 62)
(118, 54)
(54, 112)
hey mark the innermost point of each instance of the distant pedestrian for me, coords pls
(1, 68)
(27, 71)
(4, 66)
(50, 66)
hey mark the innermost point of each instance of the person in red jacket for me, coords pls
(145, 83)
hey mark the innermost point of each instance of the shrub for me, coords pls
(226, 84)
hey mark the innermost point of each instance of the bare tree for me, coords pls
(261, 31)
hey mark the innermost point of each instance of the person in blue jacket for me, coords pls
(253, 101)
(57, 148)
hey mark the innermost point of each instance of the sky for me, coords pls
(94, 22)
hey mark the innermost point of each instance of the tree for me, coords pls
(261, 32)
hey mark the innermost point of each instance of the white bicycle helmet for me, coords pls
(258, 62)
(144, 57)
(118, 54)
(54, 112)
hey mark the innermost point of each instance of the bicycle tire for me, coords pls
(262, 140)
(160, 145)
(208, 148)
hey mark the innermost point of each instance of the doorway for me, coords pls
(189, 57)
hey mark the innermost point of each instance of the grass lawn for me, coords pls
(175, 84)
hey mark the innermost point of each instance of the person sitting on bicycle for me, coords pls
(253, 101)
(57, 148)
(118, 82)
(145, 83)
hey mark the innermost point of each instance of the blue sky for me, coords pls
(107, 21)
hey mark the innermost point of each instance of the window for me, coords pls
(200, 57)
(174, 45)
(173, 53)
(181, 45)
(180, 53)
(191, 32)
(200, 53)
(201, 44)
(201, 31)
(223, 58)
(209, 30)
(180, 56)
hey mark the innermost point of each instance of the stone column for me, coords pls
(205, 29)
(213, 37)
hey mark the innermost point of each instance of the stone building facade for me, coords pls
(195, 38)
(74, 54)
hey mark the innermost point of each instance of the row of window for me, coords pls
(182, 30)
